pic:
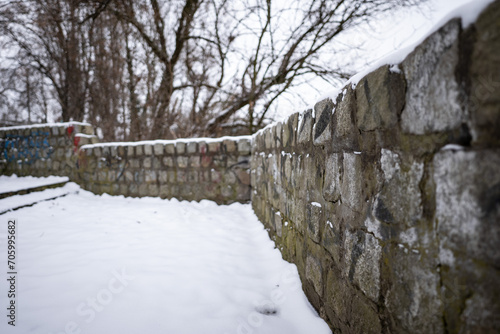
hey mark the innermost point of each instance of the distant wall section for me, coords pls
(194, 169)
(43, 149)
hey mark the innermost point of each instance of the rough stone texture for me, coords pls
(433, 95)
(380, 99)
(322, 130)
(392, 229)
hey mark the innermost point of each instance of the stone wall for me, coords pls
(43, 149)
(387, 196)
(196, 169)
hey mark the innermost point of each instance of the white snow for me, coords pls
(43, 125)
(168, 141)
(13, 183)
(16, 201)
(468, 13)
(316, 204)
(452, 147)
(104, 264)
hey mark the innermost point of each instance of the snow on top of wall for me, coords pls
(468, 13)
(43, 125)
(168, 141)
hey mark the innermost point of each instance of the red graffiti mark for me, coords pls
(76, 142)
(70, 130)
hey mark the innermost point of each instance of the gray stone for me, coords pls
(147, 162)
(467, 204)
(333, 177)
(180, 147)
(351, 182)
(362, 257)
(148, 149)
(380, 99)
(139, 149)
(150, 176)
(170, 149)
(182, 162)
(278, 223)
(194, 161)
(168, 161)
(163, 176)
(130, 151)
(244, 146)
(344, 129)
(322, 130)
(313, 274)
(158, 149)
(192, 147)
(400, 201)
(305, 125)
(314, 217)
(433, 94)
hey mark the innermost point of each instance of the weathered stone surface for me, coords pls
(180, 147)
(170, 149)
(333, 177)
(362, 258)
(314, 274)
(400, 201)
(182, 162)
(314, 217)
(322, 130)
(344, 129)
(351, 183)
(468, 203)
(192, 147)
(484, 98)
(413, 297)
(158, 149)
(380, 99)
(433, 94)
(305, 125)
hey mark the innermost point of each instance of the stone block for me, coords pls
(168, 161)
(180, 147)
(362, 258)
(158, 149)
(214, 147)
(314, 274)
(182, 162)
(305, 125)
(433, 93)
(192, 147)
(322, 129)
(130, 151)
(400, 200)
(485, 79)
(333, 177)
(147, 162)
(351, 183)
(278, 223)
(229, 145)
(314, 219)
(139, 150)
(148, 149)
(344, 128)
(170, 149)
(380, 99)
(244, 146)
(150, 176)
(192, 176)
(468, 204)
(135, 163)
(194, 161)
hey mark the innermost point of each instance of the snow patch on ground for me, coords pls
(14, 183)
(110, 264)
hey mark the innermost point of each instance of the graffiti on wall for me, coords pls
(27, 149)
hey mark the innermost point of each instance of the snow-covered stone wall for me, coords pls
(387, 195)
(43, 149)
(189, 169)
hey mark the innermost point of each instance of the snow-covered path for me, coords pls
(103, 264)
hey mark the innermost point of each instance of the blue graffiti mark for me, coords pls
(28, 148)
